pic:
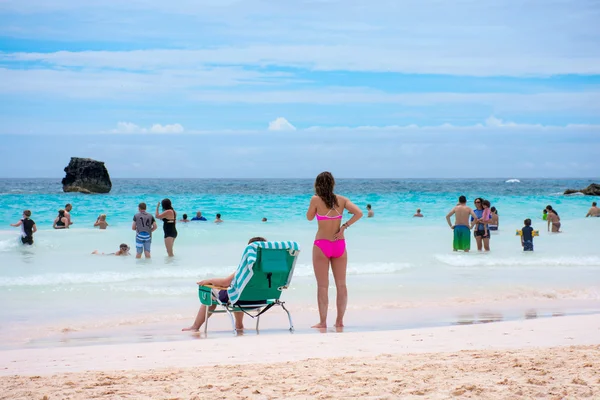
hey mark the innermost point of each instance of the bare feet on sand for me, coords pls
(320, 325)
(190, 329)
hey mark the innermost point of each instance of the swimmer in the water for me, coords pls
(101, 222)
(184, 219)
(28, 228)
(418, 213)
(123, 251)
(61, 222)
(594, 211)
(218, 219)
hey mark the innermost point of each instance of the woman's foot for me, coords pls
(320, 325)
(191, 329)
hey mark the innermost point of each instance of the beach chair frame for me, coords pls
(253, 308)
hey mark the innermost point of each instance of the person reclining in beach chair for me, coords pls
(265, 270)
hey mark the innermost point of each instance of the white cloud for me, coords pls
(494, 122)
(465, 37)
(128, 127)
(173, 128)
(281, 124)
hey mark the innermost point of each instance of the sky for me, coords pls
(249, 89)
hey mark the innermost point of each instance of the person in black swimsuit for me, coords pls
(28, 228)
(61, 222)
(169, 217)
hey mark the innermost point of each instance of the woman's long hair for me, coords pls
(324, 185)
(549, 208)
(166, 205)
(61, 214)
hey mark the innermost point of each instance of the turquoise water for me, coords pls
(58, 284)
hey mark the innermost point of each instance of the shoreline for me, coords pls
(553, 358)
(223, 350)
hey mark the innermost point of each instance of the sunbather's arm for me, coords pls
(223, 282)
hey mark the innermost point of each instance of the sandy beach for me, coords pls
(544, 358)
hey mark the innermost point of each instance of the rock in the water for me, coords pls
(86, 176)
(592, 190)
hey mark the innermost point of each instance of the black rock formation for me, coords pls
(592, 190)
(86, 176)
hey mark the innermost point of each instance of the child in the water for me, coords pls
(527, 236)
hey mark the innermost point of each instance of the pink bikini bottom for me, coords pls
(331, 249)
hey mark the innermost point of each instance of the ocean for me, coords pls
(402, 271)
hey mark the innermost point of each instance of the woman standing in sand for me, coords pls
(553, 219)
(330, 245)
(169, 217)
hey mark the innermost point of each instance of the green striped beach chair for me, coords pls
(265, 270)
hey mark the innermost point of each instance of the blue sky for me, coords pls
(225, 88)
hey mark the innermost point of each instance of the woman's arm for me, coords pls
(312, 208)
(223, 282)
(164, 213)
(354, 210)
(17, 224)
(34, 228)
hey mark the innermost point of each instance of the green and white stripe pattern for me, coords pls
(244, 271)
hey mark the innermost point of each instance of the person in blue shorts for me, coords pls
(143, 225)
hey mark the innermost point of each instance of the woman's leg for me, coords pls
(169, 245)
(200, 318)
(239, 320)
(486, 244)
(338, 267)
(321, 267)
(479, 243)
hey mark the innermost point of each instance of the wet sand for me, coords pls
(546, 358)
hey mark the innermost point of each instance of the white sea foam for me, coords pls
(163, 274)
(485, 261)
(513, 181)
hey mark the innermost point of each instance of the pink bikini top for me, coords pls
(327, 217)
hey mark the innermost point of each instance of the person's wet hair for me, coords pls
(27, 213)
(462, 200)
(184, 216)
(124, 246)
(493, 209)
(61, 213)
(549, 208)
(218, 215)
(594, 204)
(142, 206)
(257, 239)
(368, 206)
(545, 211)
(527, 222)
(324, 184)
(486, 203)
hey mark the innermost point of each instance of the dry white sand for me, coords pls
(546, 358)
